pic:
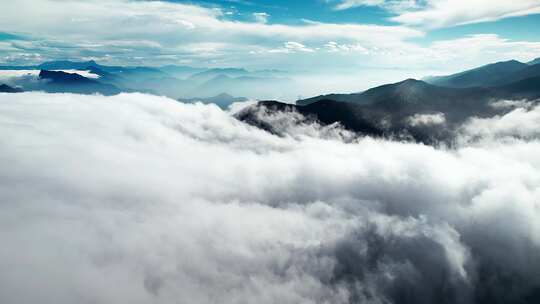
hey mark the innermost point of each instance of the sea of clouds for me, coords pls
(140, 199)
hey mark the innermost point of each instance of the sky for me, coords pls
(305, 36)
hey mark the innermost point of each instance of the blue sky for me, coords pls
(294, 12)
(330, 36)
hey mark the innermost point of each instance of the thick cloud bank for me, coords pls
(140, 199)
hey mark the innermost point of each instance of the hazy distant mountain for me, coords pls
(213, 73)
(488, 75)
(222, 100)
(171, 80)
(67, 65)
(411, 109)
(4, 88)
(235, 73)
(249, 86)
(18, 67)
(181, 71)
(55, 65)
(92, 65)
(58, 82)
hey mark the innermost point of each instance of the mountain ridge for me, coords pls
(387, 110)
(4, 88)
(59, 82)
(495, 74)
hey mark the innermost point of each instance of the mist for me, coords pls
(136, 198)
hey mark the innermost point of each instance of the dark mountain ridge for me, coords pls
(535, 61)
(59, 82)
(409, 91)
(487, 75)
(389, 110)
(4, 88)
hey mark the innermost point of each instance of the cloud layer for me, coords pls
(141, 199)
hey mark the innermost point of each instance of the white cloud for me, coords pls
(333, 46)
(392, 5)
(510, 104)
(84, 26)
(521, 122)
(261, 17)
(141, 199)
(449, 56)
(456, 12)
(297, 47)
(346, 4)
(427, 119)
(446, 13)
(289, 47)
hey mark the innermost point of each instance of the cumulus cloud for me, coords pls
(523, 122)
(159, 30)
(427, 119)
(333, 46)
(141, 199)
(292, 46)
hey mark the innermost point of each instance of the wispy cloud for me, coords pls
(447, 13)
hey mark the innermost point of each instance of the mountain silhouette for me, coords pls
(535, 61)
(410, 91)
(67, 65)
(4, 88)
(389, 109)
(490, 75)
(487, 75)
(59, 82)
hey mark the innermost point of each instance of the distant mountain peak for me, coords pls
(511, 62)
(410, 87)
(4, 88)
(224, 95)
(60, 76)
(68, 65)
(411, 82)
(59, 81)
